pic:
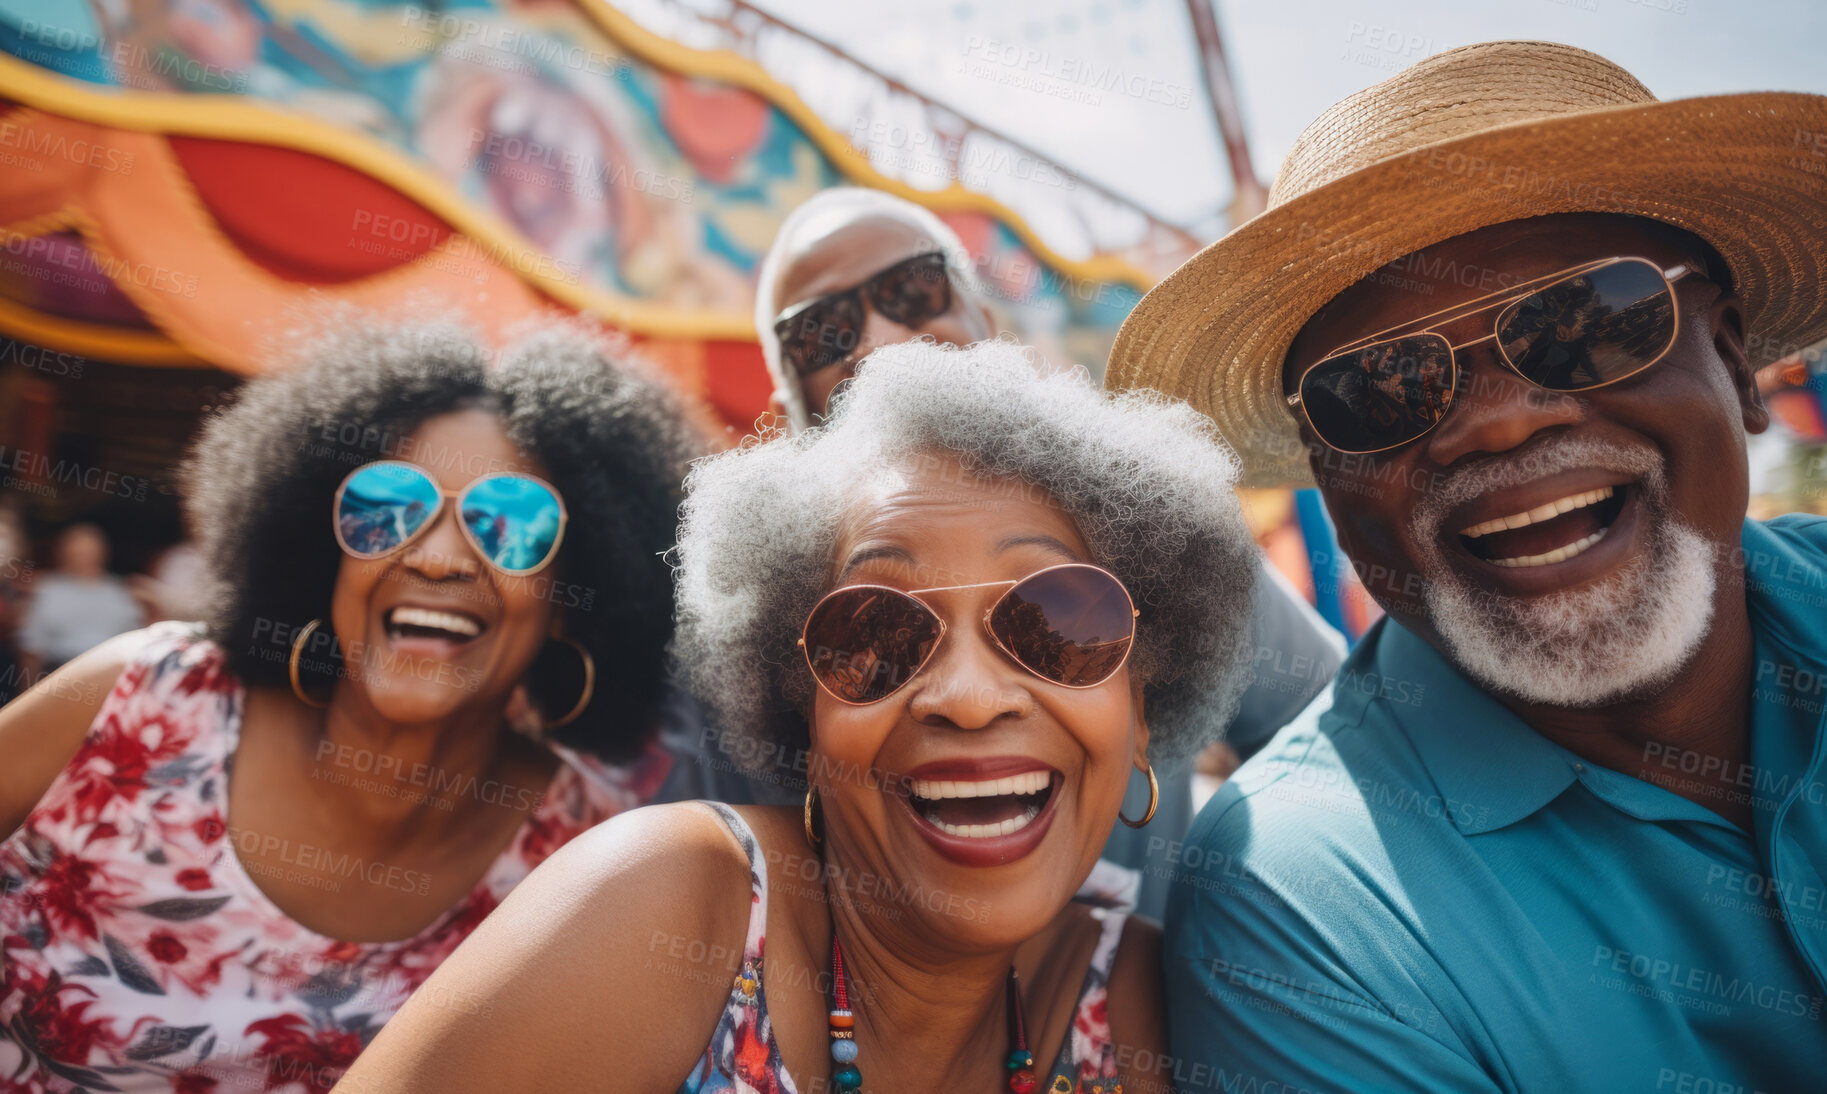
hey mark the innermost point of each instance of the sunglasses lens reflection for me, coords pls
(382, 506)
(1379, 396)
(1590, 329)
(864, 644)
(1072, 625)
(913, 292)
(513, 520)
(823, 334)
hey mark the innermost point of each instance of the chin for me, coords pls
(411, 701)
(1623, 637)
(978, 916)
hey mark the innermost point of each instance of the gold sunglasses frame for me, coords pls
(564, 516)
(914, 595)
(1503, 298)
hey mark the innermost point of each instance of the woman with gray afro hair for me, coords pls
(1011, 589)
(1147, 481)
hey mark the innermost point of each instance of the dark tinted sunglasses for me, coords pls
(1576, 330)
(1071, 625)
(825, 330)
(515, 522)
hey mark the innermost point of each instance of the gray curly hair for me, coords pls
(1146, 480)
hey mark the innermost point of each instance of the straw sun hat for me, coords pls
(1467, 138)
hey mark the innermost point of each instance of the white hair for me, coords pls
(826, 212)
(1626, 635)
(1146, 480)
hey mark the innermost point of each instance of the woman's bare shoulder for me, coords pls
(41, 730)
(620, 947)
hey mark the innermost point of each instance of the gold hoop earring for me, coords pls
(1154, 799)
(589, 683)
(811, 799)
(298, 645)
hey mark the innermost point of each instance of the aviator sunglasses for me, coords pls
(1071, 625)
(820, 332)
(514, 521)
(1582, 328)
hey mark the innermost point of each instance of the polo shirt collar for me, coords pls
(1478, 752)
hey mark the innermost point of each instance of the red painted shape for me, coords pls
(303, 217)
(715, 126)
(737, 381)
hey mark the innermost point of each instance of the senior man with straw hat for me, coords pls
(1561, 822)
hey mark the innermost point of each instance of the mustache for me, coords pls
(1537, 460)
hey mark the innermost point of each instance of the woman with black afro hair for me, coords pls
(434, 654)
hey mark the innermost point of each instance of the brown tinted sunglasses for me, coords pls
(1071, 625)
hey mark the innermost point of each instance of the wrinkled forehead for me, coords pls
(934, 509)
(1477, 264)
(840, 250)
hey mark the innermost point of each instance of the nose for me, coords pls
(879, 331)
(1494, 409)
(443, 551)
(969, 684)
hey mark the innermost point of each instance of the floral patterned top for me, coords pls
(743, 1058)
(136, 952)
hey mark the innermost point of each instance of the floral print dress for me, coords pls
(138, 954)
(742, 1057)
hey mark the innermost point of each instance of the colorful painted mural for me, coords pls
(611, 171)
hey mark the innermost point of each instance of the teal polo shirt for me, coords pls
(1410, 889)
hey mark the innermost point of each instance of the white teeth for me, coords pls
(441, 621)
(1541, 512)
(1029, 782)
(989, 831)
(1559, 554)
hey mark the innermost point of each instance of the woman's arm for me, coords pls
(607, 969)
(42, 729)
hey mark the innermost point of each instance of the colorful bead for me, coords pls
(1023, 1082)
(842, 1019)
(844, 1052)
(848, 1079)
(1019, 1059)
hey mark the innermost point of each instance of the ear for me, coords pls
(1141, 721)
(1725, 316)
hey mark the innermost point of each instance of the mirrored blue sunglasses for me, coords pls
(514, 521)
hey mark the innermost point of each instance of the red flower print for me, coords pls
(67, 892)
(62, 1030)
(294, 1052)
(129, 956)
(165, 947)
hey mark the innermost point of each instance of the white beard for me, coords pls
(1625, 635)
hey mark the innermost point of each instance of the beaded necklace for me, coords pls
(849, 1080)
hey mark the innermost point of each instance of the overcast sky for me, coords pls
(1021, 66)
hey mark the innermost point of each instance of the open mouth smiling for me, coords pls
(1551, 532)
(982, 812)
(440, 631)
(982, 809)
